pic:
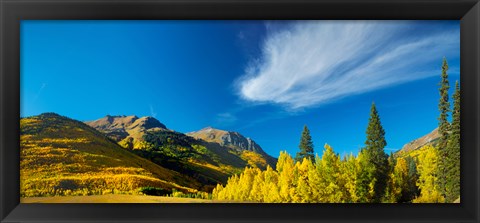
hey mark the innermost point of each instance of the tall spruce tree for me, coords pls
(375, 154)
(443, 129)
(452, 164)
(305, 146)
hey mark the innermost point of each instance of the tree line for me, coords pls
(431, 175)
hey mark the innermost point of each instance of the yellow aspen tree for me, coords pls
(293, 193)
(285, 167)
(330, 164)
(270, 189)
(348, 170)
(314, 180)
(257, 188)
(365, 179)
(427, 180)
(246, 182)
(304, 189)
(216, 192)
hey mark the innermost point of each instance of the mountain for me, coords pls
(208, 161)
(127, 130)
(430, 138)
(232, 140)
(62, 156)
(226, 138)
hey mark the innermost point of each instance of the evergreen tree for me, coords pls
(443, 128)
(397, 180)
(452, 164)
(375, 154)
(411, 190)
(306, 146)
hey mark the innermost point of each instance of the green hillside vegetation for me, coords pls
(178, 152)
(209, 163)
(61, 156)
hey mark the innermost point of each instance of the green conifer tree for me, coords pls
(375, 154)
(306, 146)
(452, 164)
(411, 190)
(443, 129)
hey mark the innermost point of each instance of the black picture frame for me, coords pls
(13, 11)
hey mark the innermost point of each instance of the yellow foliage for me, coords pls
(68, 160)
(427, 166)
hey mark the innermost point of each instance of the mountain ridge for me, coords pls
(209, 161)
(226, 138)
(231, 139)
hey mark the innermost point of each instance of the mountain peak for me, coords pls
(123, 121)
(120, 127)
(148, 122)
(226, 138)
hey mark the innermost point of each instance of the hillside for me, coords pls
(430, 138)
(61, 156)
(209, 162)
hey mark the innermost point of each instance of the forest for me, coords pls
(430, 174)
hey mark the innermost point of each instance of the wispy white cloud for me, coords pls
(152, 112)
(225, 119)
(44, 85)
(316, 62)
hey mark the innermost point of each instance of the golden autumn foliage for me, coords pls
(60, 156)
(300, 182)
(427, 169)
(330, 179)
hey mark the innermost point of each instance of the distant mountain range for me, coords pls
(130, 147)
(209, 155)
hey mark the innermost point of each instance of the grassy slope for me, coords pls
(118, 198)
(112, 198)
(60, 156)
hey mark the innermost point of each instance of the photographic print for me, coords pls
(232, 111)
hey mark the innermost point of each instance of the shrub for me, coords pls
(155, 191)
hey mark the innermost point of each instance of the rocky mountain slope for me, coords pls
(232, 140)
(430, 138)
(127, 130)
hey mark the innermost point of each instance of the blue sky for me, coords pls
(264, 79)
